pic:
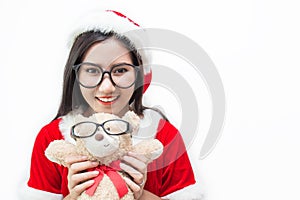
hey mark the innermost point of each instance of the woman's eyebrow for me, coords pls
(121, 63)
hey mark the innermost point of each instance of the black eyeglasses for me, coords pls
(111, 127)
(90, 75)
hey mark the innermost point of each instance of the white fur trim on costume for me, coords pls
(28, 193)
(65, 126)
(148, 126)
(192, 192)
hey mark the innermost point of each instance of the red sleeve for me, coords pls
(44, 174)
(172, 171)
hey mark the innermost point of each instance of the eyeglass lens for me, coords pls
(122, 75)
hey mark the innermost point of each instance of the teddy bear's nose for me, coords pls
(99, 137)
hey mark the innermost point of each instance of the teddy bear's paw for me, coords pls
(59, 150)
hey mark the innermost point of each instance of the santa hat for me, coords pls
(112, 21)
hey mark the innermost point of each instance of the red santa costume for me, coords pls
(167, 176)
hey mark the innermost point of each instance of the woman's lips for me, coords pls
(107, 100)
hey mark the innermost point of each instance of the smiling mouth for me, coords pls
(107, 100)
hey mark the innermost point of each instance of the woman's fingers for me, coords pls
(140, 157)
(83, 177)
(136, 163)
(76, 172)
(79, 179)
(81, 166)
(136, 167)
(133, 186)
(74, 159)
(136, 189)
(78, 189)
(137, 176)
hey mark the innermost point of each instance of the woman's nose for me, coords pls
(106, 86)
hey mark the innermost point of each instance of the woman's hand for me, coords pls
(136, 166)
(78, 178)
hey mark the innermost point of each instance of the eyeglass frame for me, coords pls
(76, 69)
(128, 128)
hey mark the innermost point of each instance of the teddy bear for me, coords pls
(105, 138)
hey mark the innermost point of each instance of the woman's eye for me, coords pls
(92, 71)
(119, 71)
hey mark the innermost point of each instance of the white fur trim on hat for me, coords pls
(104, 21)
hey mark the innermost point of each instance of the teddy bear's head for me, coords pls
(101, 137)
(105, 137)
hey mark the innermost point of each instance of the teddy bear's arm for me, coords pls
(152, 149)
(59, 150)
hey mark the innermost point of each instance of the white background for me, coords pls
(254, 44)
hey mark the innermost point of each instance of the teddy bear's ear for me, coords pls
(102, 117)
(133, 120)
(80, 118)
(59, 150)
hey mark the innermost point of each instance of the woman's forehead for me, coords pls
(107, 53)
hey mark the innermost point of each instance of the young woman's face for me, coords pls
(107, 97)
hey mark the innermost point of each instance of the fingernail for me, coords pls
(95, 163)
(90, 181)
(95, 172)
(122, 165)
(125, 157)
(132, 153)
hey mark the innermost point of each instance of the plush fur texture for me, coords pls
(59, 150)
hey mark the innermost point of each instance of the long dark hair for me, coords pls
(71, 95)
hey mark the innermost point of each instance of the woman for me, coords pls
(106, 72)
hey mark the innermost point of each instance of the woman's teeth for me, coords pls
(105, 99)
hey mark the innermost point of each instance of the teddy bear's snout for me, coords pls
(99, 137)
